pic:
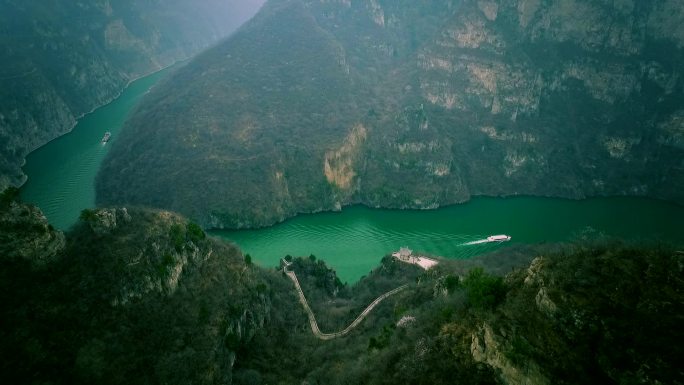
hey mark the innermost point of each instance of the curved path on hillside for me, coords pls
(312, 319)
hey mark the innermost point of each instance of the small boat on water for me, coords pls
(106, 137)
(498, 238)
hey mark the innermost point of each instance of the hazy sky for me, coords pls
(244, 9)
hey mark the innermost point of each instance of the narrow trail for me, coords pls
(312, 319)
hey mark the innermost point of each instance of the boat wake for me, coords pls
(479, 241)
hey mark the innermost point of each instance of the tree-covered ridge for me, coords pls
(315, 105)
(133, 296)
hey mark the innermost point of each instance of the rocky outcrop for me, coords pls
(587, 307)
(340, 165)
(489, 348)
(458, 98)
(104, 221)
(64, 59)
(26, 234)
(535, 279)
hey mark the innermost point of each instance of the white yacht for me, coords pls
(499, 238)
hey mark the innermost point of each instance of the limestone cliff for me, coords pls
(570, 98)
(340, 165)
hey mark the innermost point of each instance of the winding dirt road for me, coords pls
(312, 319)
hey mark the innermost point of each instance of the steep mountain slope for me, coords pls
(314, 105)
(135, 296)
(62, 59)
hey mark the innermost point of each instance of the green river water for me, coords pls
(62, 174)
(354, 240)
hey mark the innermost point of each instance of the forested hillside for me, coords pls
(131, 296)
(412, 104)
(61, 59)
(598, 313)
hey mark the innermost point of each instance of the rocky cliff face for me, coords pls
(413, 105)
(64, 59)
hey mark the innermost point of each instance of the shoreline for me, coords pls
(84, 114)
(432, 208)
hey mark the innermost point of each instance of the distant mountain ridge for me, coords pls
(315, 105)
(62, 59)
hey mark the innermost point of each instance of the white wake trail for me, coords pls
(476, 242)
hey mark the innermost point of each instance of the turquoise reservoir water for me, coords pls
(61, 174)
(353, 241)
